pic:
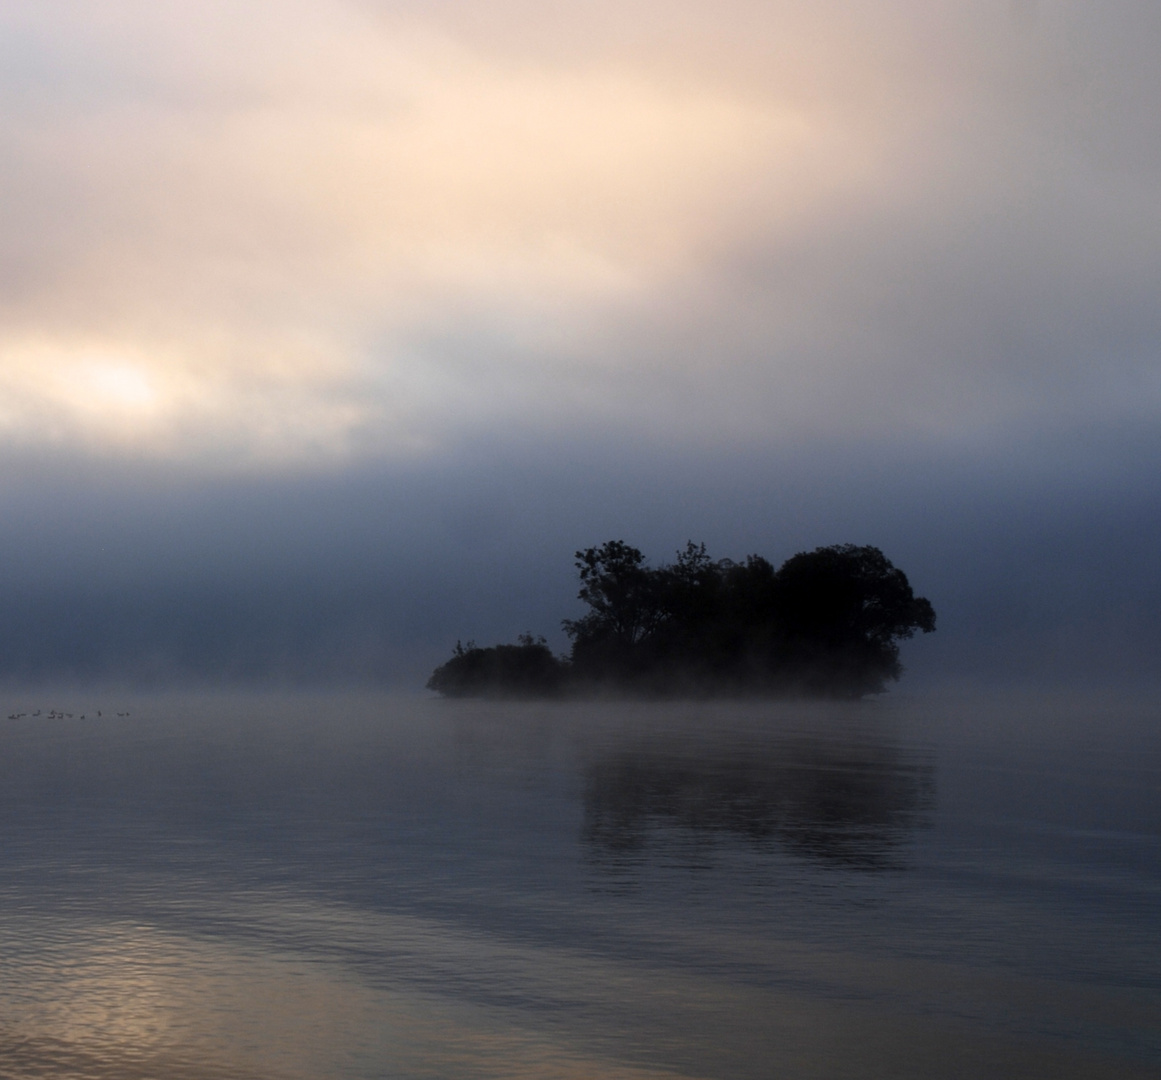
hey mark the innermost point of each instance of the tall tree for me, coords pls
(841, 612)
(625, 606)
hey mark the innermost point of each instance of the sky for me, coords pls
(329, 329)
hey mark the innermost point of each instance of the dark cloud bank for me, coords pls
(1039, 555)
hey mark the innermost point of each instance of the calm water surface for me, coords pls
(358, 886)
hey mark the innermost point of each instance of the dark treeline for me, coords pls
(827, 623)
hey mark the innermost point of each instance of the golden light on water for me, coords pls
(132, 1000)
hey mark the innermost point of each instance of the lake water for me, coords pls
(367, 886)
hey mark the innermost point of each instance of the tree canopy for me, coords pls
(526, 669)
(826, 623)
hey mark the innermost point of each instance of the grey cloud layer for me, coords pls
(1039, 566)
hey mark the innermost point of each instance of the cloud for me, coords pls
(314, 231)
(239, 236)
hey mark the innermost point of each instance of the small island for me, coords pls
(827, 623)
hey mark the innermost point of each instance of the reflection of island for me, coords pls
(844, 804)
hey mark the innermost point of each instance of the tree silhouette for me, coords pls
(842, 611)
(526, 669)
(827, 623)
(625, 600)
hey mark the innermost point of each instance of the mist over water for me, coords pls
(365, 885)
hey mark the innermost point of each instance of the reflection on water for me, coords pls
(848, 804)
(366, 887)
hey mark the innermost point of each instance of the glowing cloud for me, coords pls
(310, 229)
